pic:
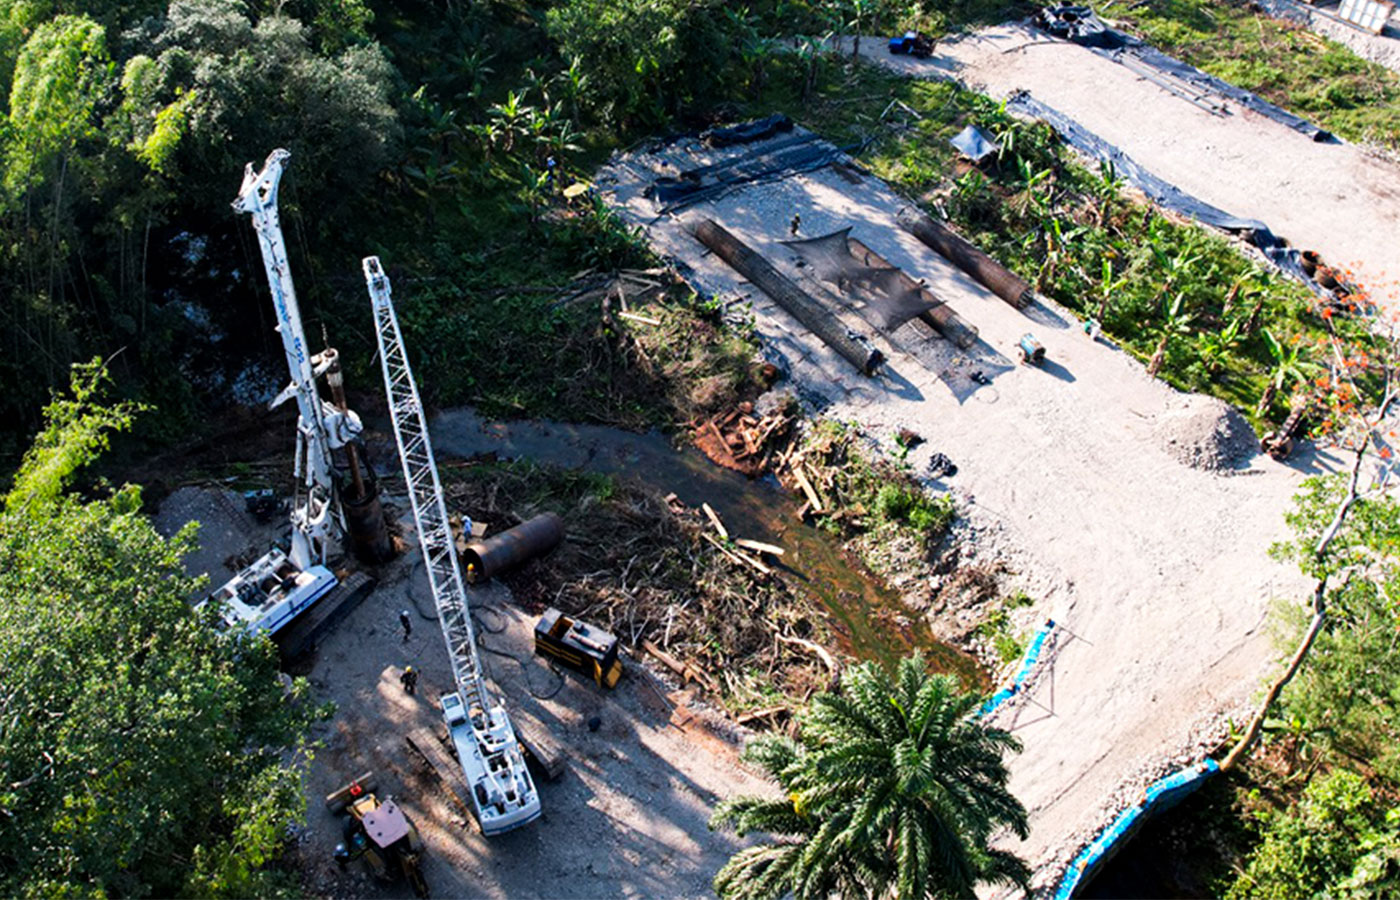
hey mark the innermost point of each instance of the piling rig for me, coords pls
(276, 589)
(502, 792)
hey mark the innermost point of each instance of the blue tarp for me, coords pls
(1161, 795)
(1027, 664)
(974, 144)
(1163, 193)
(1080, 25)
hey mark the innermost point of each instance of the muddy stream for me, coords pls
(868, 616)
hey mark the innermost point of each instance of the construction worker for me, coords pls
(409, 680)
(796, 223)
(407, 624)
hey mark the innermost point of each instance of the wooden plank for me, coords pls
(738, 555)
(537, 741)
(714, 519)
(811, 492)
(760, 547)
(448, 770)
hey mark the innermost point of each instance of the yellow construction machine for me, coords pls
(378, 832)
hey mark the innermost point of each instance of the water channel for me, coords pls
(868, 617)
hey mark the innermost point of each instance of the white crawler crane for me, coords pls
(273, 591)
(499, 782)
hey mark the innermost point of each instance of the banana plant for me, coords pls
(1215, 347)
(1108, 290)
(1175, 321)
(1290, 364)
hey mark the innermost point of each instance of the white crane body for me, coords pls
(274, 589)
(499, 782)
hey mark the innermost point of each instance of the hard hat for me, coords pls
(407, 670)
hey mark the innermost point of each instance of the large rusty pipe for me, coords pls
(364, 519)
(989, 273)
(761, 273)
(940, 317)
(531, 538)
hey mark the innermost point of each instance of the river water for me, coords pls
(868, 616)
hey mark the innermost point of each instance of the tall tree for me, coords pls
(892, 787)
(142, 751)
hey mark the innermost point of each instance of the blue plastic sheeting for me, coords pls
(1080, 25)
(1027, 663)
(974, 144)
(1164, 193)
(1161, 795)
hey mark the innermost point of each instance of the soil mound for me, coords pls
(1206, 433)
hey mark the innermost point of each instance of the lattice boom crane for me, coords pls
(501, 788)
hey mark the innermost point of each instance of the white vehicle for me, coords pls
(503, 794)
(271, 592)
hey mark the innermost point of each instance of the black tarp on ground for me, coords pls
(747, 132)
(883, 292)
(1164, 193)
(778, 158)
(1080, 25)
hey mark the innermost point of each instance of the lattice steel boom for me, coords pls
(495, 770)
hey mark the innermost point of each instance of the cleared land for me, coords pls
(1338, 199)
(626, 819)
(1158, 570)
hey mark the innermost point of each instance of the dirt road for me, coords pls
(1159, 571)
(1338, 199)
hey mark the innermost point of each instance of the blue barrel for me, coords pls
(1031, 350)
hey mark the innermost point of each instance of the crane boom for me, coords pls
(321, 427)
(495, 770)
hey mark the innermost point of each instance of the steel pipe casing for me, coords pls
(801, 305)
(531, 538)
(988, 272)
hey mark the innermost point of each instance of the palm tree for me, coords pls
(893, 788)
(1289, 365)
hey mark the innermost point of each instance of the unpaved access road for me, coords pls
(1158, 572)
(1341, 200)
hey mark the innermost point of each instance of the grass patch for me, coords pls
(863, 492)
(1281, 61)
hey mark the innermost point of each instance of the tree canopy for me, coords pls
(142, 751)
(892, 787)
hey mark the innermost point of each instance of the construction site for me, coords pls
(508, 723)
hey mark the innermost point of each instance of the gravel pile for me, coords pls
(1206, 433)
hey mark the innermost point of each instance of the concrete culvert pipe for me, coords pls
(801, 305)
(989, 273)
(535, 537)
